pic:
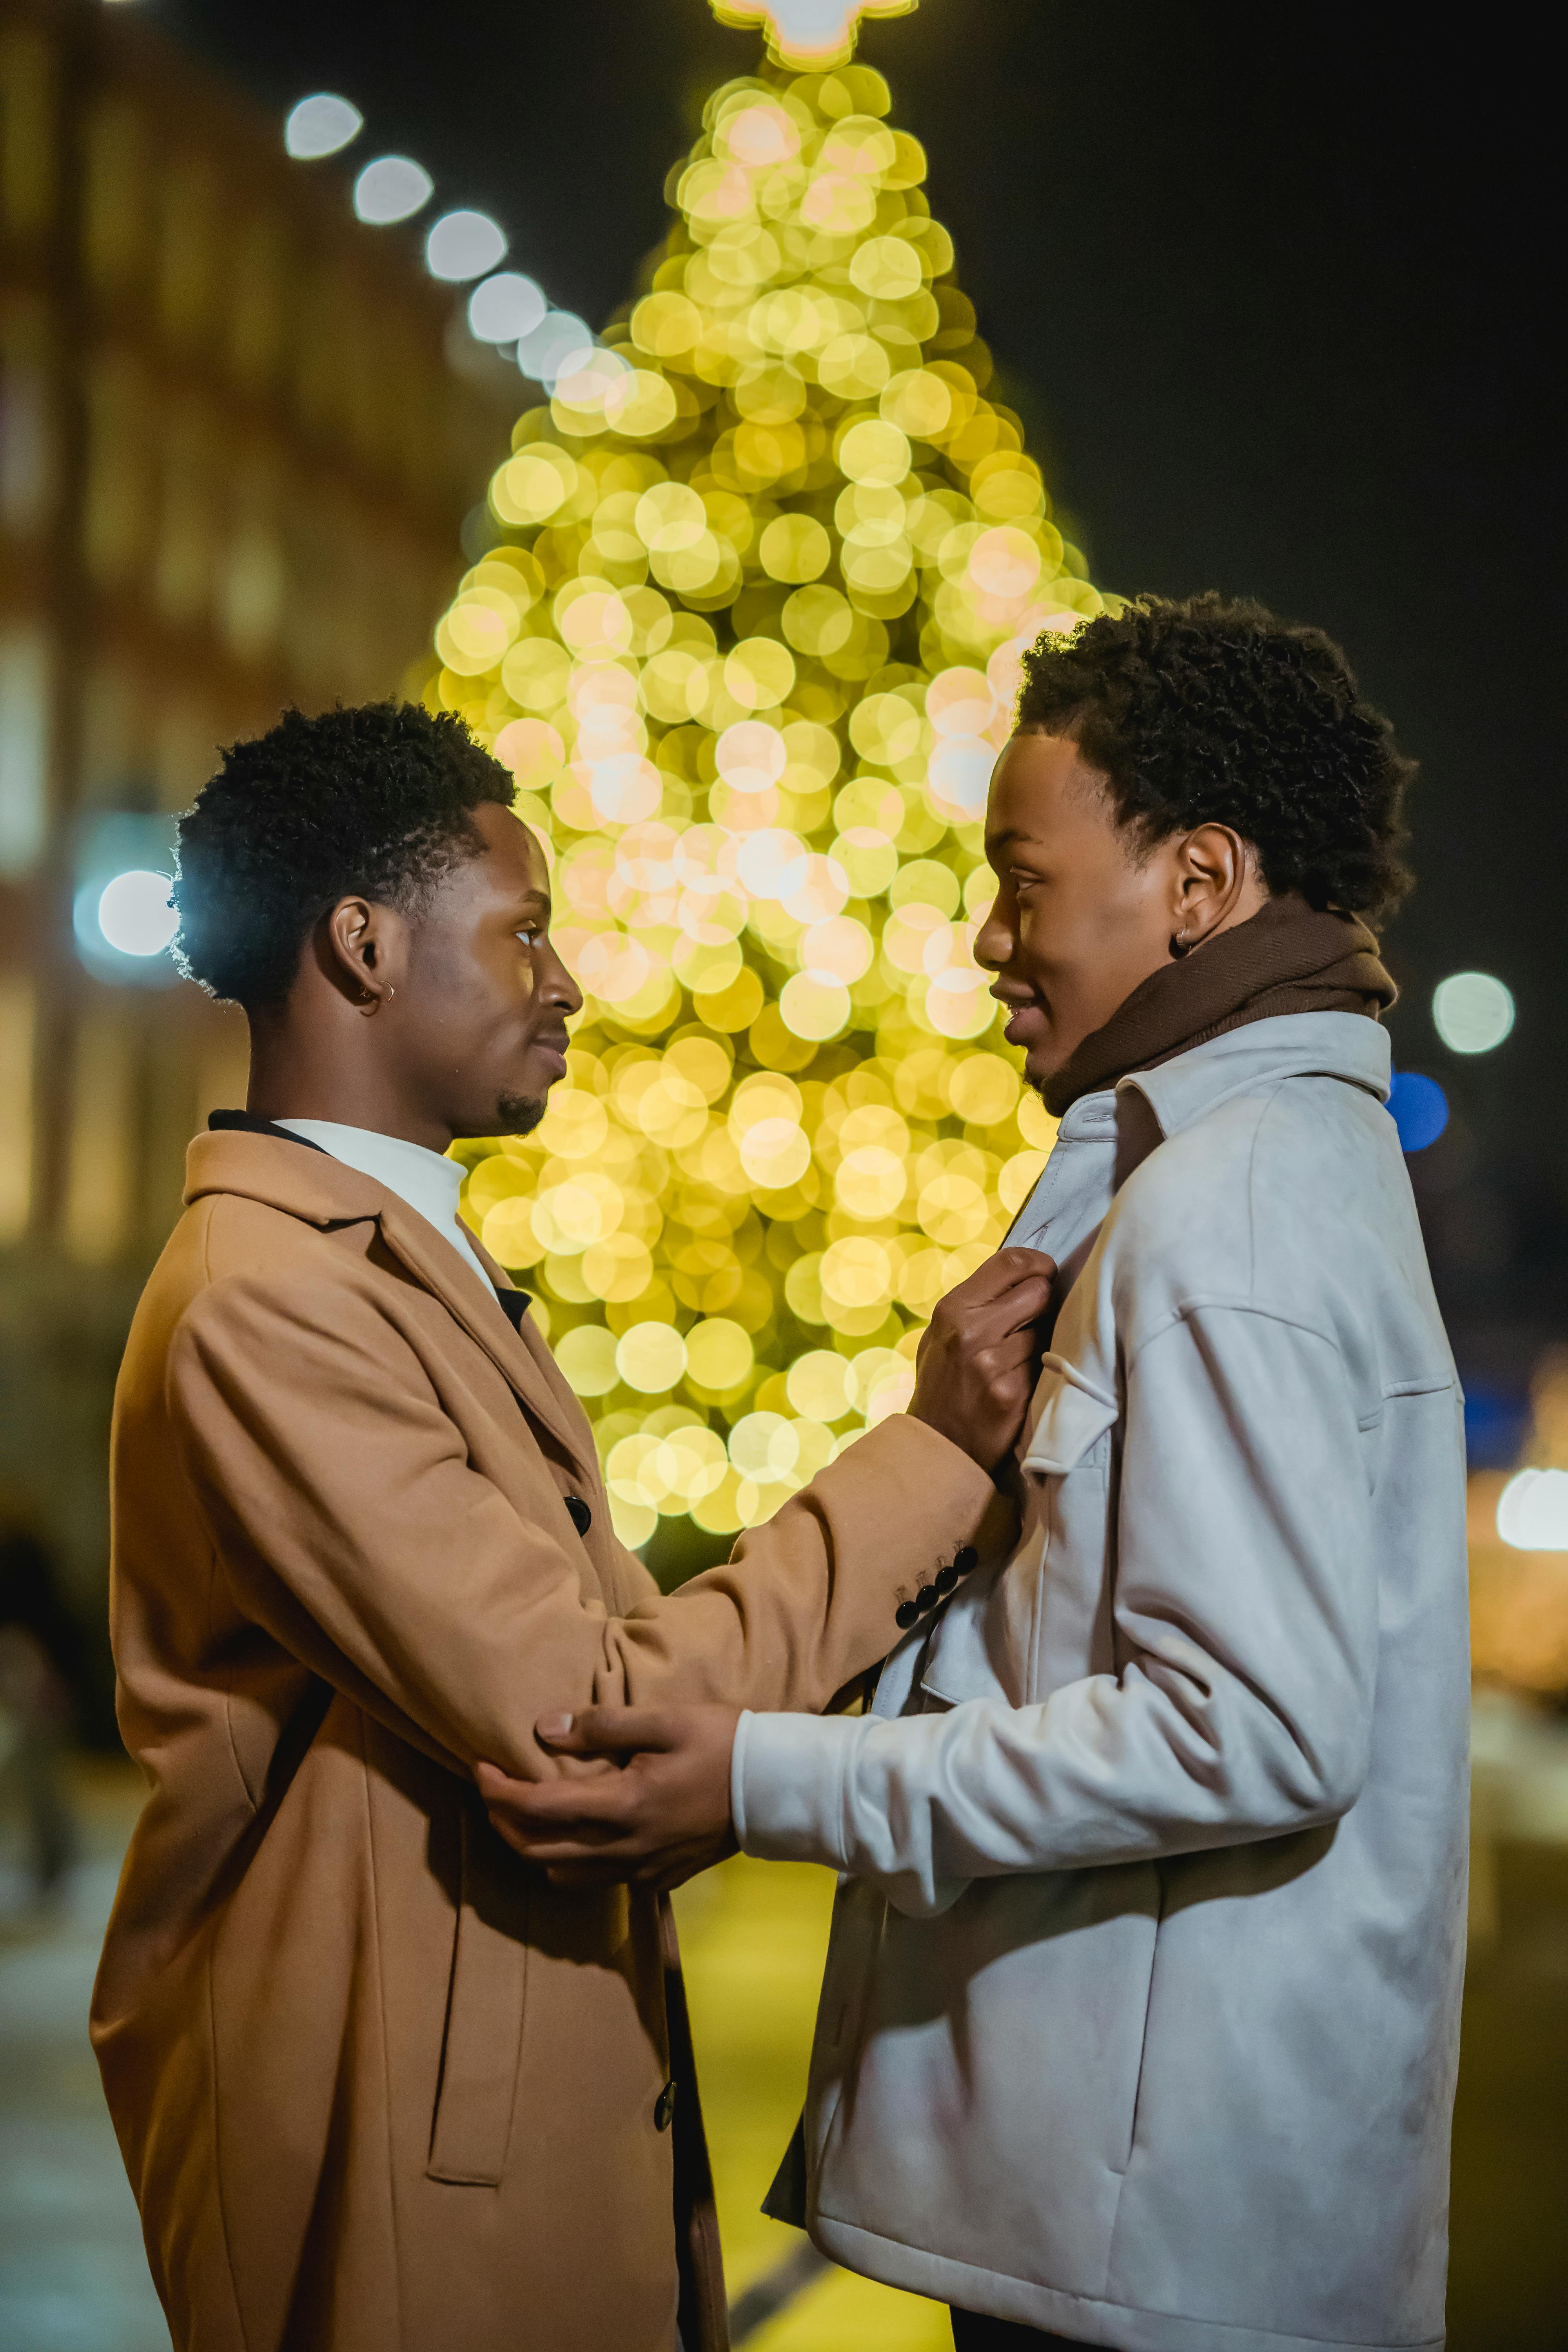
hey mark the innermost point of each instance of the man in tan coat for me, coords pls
(379, 2086)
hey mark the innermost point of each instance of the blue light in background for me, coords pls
(1419, 1108)
(1497, 1424)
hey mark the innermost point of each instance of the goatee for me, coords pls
(518, 1114)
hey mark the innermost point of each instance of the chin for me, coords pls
(518, 1114)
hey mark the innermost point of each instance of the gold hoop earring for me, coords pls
(371, 1004)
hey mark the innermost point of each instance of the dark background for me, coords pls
(1272, 291)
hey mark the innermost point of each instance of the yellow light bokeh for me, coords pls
(748, 640)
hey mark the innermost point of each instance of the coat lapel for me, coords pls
(322, 1191)
(521, 1355)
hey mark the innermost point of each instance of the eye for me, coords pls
(531, 934)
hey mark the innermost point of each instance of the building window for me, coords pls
(183, 572)
(26, 679)
(187, 258)
(101, 1158)
(184, 750)
(27, 425)
(26, 132)
(252, 576)
(116, 228)
(118, 523)
(17, 1015)
(259, 310)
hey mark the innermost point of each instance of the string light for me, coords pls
(505, 307)
(1472, 1012)
(320, 126)
(808, 32)
(463, 245)
(392, 188)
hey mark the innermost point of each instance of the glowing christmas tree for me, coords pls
(748, 639)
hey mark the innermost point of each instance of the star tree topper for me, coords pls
(809, 33)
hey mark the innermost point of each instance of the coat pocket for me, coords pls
(1070, 1417)
(483, 2040)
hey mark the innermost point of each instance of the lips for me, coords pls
(1028, 1021)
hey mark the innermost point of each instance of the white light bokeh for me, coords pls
(1472, 1012)
(505, 307)
(134, 914)
(807, 32)
(463, 245)
(559, 337)
(390, 189)
(1532, 1511)
(319, 125)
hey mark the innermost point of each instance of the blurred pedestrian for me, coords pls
(40, 1669)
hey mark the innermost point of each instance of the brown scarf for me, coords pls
(1285, 959)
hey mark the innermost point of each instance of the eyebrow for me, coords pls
(1003, 840)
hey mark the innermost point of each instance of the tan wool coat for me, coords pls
(378, 2086)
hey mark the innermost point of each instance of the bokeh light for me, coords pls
(505, 307)
(1419, 1108)
(321, 125)
(1472, 1012)
(765, 554)
(557, 340)
(134, 914)
(392, 188)
(1532, 1511)
(463, 245)
(808, 32)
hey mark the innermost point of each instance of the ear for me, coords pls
(1214, 873)
(361, 947)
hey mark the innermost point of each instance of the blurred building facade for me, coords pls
(238, 434)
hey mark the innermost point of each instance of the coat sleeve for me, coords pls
(1246, 1623)
(366, 1542)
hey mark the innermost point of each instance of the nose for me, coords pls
(557, 986)
(995, 941)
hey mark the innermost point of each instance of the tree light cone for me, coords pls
(747, 636)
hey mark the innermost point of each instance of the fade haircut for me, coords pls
(376, 800)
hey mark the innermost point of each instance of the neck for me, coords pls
(338, 1078)
(1287, 959)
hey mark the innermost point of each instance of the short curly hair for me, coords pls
(1207, 710)
(376, 799)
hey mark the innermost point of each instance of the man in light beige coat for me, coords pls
(379, 2086)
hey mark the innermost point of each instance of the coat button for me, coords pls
(664, 2107)
(927, 1597)
(965, 1558)
(582, 1518)
(946, 1579)
(906, 1612)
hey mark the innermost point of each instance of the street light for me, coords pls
(1472, 1012)
(134, 914)
(320, 126)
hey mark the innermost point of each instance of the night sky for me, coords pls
(1274, 292)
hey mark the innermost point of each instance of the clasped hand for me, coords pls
(657, 1821)
(665, 1813)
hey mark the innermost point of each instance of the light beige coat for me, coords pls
(378, 2087)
